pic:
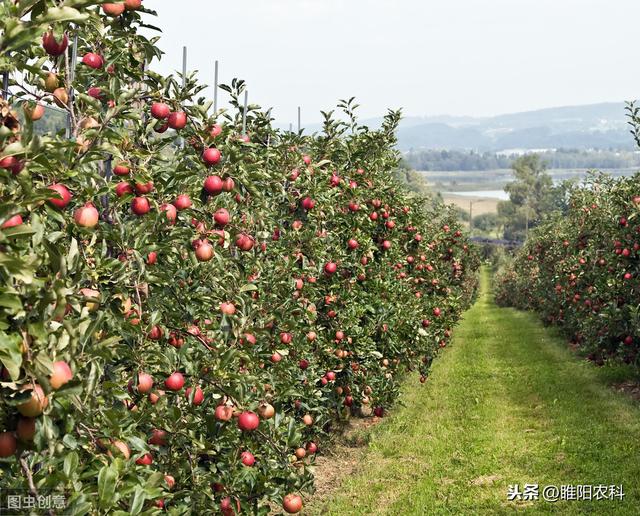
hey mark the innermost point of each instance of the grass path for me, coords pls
(507, 403)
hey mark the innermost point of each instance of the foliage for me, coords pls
(532, 197)
(414, 181)
(271, 308)
(580, 270)
(486, 222)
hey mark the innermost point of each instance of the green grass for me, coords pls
(507, 403)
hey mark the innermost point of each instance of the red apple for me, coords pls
(178, 120)
(113, 9)
(87, 216)
(145, 460)
(247, 459)
(245, 242)
(213, 185)
(308, 203)
(53, 47)
(140, 206)
(286, 337)
(292, 503)
(95, 92)
(248, 421)
(221, 217)
(121, 169)
(198, 396)
(171, 212)
(182, 202)
(33, 112)
(36, 404)
(204, 252)
(175, 382)
(61, 374)
(211, 156)
(62, 192)
(160, 111)
(276, 357)
(26, 429)
(228, 308)
(330, 268)
(8, 162)
(156, 333)
(228, 184)
(158, 437)
(144, 188)
(11, 222)
(93, 60)
(8, 444)
(145, 383)
(223, 413)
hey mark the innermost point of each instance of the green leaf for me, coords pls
(138, 501)
(107, 478)
(70, 464)
(10, 301)
(17, 231)
(11, 354)
(58, 14)
(72, 255)
(70, 442)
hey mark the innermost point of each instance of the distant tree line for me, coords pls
(454, 160)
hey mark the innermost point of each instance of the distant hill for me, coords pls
(599, 126)
(592, 126)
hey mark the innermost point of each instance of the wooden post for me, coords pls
(184, 66)
(5, 86)
(106, 169)
(184, 84)
(145, 67)
(470, 215)
(244, 113)
(215, 90)
(299, 120)
(72, 76)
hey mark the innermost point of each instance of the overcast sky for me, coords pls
(430, 57)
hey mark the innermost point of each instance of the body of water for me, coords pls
(491, 194)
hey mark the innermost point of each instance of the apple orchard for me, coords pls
(188, 310)
(580, 271)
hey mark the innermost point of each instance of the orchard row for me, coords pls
(581, 270)
(188, 309)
